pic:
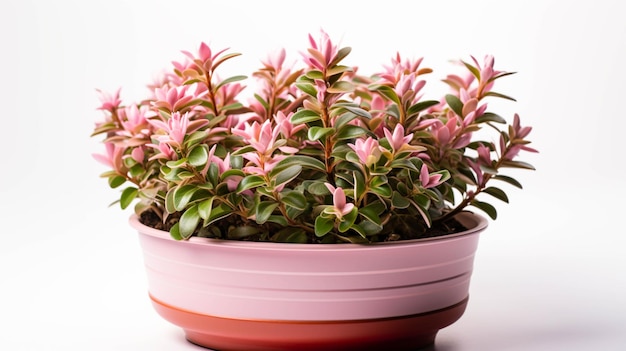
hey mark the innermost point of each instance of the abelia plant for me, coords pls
(319, 153)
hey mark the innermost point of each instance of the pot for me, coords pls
(253, 296)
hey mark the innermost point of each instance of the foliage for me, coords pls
(319, 154)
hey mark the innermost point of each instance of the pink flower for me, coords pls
(484, 155)
(134, 120)
(205, 57)
(340, 205)
(113, 158)
(368, 150)
(428, 180)
(398, 140)
(287, 129)
(176, 98)
(321, 54)
(165, 152)
(110, 102)
(175, 127)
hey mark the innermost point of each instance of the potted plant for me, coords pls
(327, 209)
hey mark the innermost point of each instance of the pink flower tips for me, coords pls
(340, 206)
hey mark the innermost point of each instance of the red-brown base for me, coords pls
(224, 334)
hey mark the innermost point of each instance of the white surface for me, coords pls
(549, 273)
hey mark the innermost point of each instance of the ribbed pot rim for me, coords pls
(475, 222)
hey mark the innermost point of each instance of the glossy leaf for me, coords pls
(304, 161)
(199, 156)
(189, 222)
(341, 87)
(399, 201)
(509, 180)
(350, 132)
(242, 232)
(128, 195)
(348, 220)
(264, 210)
(485, 207)
(249, 182)
(175, 232)
(497, 193)
(317, 133)
(455, 104)
(205, 207)
(294, 199)
(305, 116)
(420, 106)
(323, 225)
(182, 195)
(517, 164)
(490, 117)
(286, 175)
(116, 181)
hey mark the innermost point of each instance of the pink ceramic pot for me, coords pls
(248, 296)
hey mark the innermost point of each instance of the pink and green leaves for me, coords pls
(317, 152)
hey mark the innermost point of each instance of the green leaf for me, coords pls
(420, 106)
(304, 161)
(198, 156)
(219, 212)
(305, 116)
(485, 207)
(317, 188)
(359, 184)
(315, 74)
(472, 69)
(230, 80)
(386, 91)
(383, 190)
(128, 195)
(182, 195)
(455, 104)
(422, 201)
(242, 232)
(518, 164)
(175, 232)
(323, 225)
(116, 181)
(337, 70)
(490, 117)
(205, 207)
(291, 235)
(280, 220)
(294, 199)
(189, 222)
(367, 228)
(355, 109)
(249, 182)
(399, 201)
(348, 220)
(316, 133)
(493, 93)
(264, 210)
(176, 164)
(169, 201)
(341, 86)
(307, 88)
(508, 179)
(196, 137)
(286, 175)
(497, 193)
(371, 214)
(350, 132)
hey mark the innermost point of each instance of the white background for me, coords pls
(549, 273)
